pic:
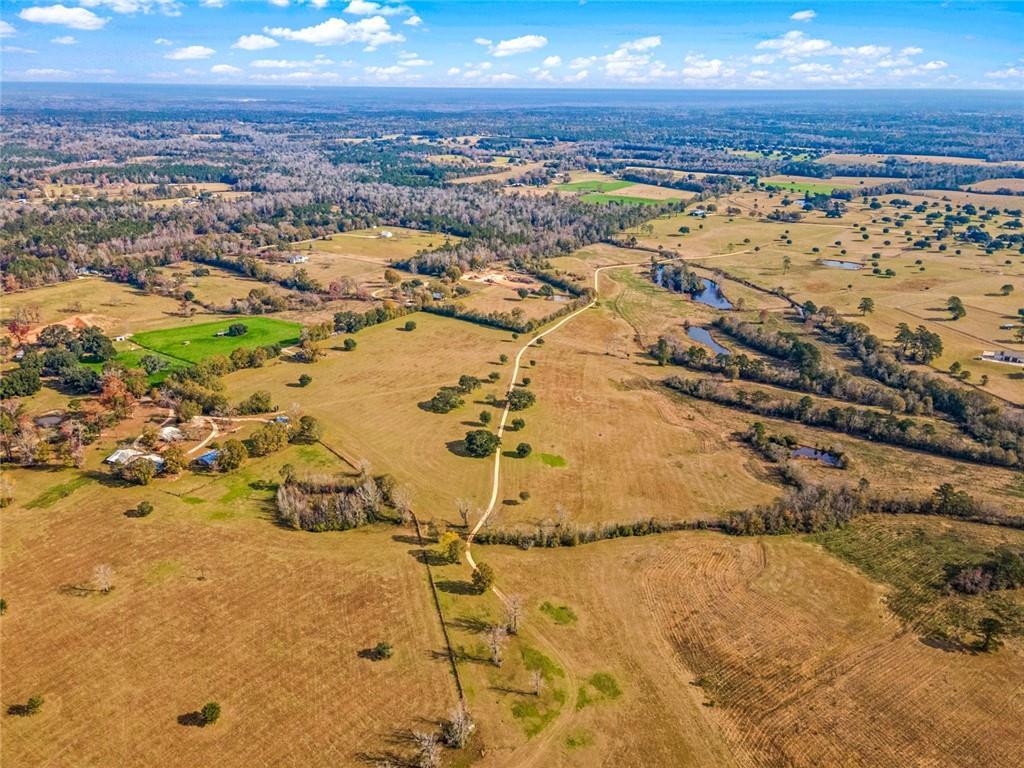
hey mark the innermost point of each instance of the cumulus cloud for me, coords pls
(225, 69)
(319, 61)
(803, 15)
(513, 46)
(632, 61)
(642, 44)
(163, 41)
(190, 53)
(64, 40)
(212, 3)
(552, 61)
(413, 21)
(6, 30)
(373, 31)
(366, 8)
(255, 42)
(297, 77)
(699, 68)
(47, 72)
(1010, 73)
(75, 18)
(794, 44)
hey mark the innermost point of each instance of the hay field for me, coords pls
(960, 197)
(993, 185)
(368, 244)
(795, 658)
(367, 400)
(843, 158)
(511, 172)
(211, 601)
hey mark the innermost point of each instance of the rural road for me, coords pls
(496, 481)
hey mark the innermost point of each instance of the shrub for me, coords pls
(238, 329)
(305, 380)
(232, 454)
(410, 325)
(309, 430)
(518, 424)
(483, 577)
(144, 509)
(523, 450)
(382, 650)
(210, 712)
(349, 344)
(519, 399)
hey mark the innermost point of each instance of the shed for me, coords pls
(208, 459)
(122, 456)
(171, 434)
(282, 419)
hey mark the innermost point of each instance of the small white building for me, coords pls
(171, 434)
(298, 259)
(700, 213)
(385, 234)
(1002, 356)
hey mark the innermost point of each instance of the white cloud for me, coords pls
(413, 21)
(16, 49)
(212, 3)
(190, 53)
(582, 62)
(933, 66)
(803, 16)
(503, 77)
(64, 40)
(810, 68)
(46, 72)
(1010, 73)
(576, 77)
(795, 44)
(394, 69)
(319, 61)
(699, 68)
(298, 77)
(452, 71)
(255, 43)
(163, 41)
(552, 61)
(373, 31)
(366, 8)
(167, 7)
(6, 30)
(318, 4)
(642, 44)
(517, 45)
(76, 18)
(225, 69)
(911, 51)
(482, 41)
(279, 3)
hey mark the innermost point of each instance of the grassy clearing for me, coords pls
(57, 492)
(194, 342)
(560, 614)
(601, 197)
(593, 185)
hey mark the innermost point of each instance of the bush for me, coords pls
(519, 399)
(308, 431)
(232, 454)
(210, 712)
(305, 380)
(238, 329)
(523, 450)
(349, 344)
(257, 402)
(410, 325)
(447, 399)
(518, 424)
(382, 650)
(144, 509)
(139, 471)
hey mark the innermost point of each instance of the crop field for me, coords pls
(192, 343)
(210, 600)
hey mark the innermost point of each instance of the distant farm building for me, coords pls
(386, 234)
(1002, 356)
(208, 459)
(171, 434)
(298, 259)
(124, 456)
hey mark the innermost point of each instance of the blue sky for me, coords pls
(557, 43)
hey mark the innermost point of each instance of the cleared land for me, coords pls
(841, 158)
(194, 342)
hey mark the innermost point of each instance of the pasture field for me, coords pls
(369, 401)
(502, 297)
(117, 308)
(509, 173)
(844, 158)
(211, 601)
(368, 244)
(192, 343)
(593, 185)
(760, 652)
(993, 185)
(601, 197)
(960, 197)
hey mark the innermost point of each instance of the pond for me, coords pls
(712, 295)
(703, 336)
(806, 452)
(840, 264)
(49, 420)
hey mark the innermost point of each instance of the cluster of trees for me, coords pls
(779, 448)
(58, 352)
(198, 388)
(448, 399)
(514, 321)
(322, 504)
(566, 534)
(676, 277)
(352, 322)
(1004, 571)
(885, 428)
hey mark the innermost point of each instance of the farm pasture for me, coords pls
(193, 343)
(993, 185)
(847, 158)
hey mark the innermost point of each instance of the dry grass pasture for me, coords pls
(211, 601)
(794, 658)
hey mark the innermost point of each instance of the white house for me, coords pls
(386, 234)
(298, 259)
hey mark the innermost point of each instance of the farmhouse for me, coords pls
(298, 259)
(124, 456)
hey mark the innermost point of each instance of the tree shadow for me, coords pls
(470, 624)
(19, 710)
(429, 557)
(405, 538)
(513, 691)
(946, 644)
(370, 654)
(107, 480)
(75, 590)
(453, 587)
(192, 719)
(458, 447)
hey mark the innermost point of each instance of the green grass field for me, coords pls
(195, 342)
(130, 358)
(600, 197)
(594, 185)
(823, 188)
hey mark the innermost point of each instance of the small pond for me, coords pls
(806, 452)
(840, 264)
(49, 420)
(703, 336)
(712, 295)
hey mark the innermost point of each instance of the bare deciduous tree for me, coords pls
(537, 680)
(496, 638)
(428, 750)
(459, 727)
(464, 507)
(401, 497)
(103, 578)
(513, 613)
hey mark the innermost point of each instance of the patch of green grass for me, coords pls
(582, 698)
(914, 558)
(560, 614)
(193, 500)
(192, 343)
(534, 660)
(577, 739)
(815, 188)
(536, 713)
(55, 493)
(595, 185)
(552, 460)
(600, 197)
(130, 358)
(606, 684)
(162, 570)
